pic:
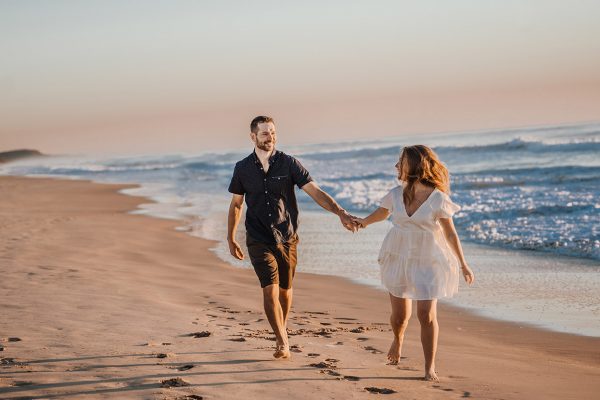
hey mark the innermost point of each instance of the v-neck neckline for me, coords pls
(418, 208)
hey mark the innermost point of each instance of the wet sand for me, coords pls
(99, 303)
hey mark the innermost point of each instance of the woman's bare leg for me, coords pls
(427, 313)
(401, 310)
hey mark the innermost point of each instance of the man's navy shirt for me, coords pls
(272, 213)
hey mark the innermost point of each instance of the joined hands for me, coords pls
(351, 222)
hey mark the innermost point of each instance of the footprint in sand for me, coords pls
(351, 378)
(240, 339)
(313, 354)
(22, 383)
(373, 350)
(376, 390)
(11, 339)
(185, 367)
(323, 365)
(190, 397)
(202, 334)
(7, 361)
(173, 382)
(405, 368)
(296, 348)
(329, 372)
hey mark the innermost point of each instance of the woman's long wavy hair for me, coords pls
(420, 164)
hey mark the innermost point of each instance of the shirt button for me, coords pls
(268, 203)
(269, 215)
(266, 191)
(264, 180)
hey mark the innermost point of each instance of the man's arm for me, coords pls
(329, 204)
(233, 219)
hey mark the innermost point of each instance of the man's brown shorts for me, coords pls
(274, 263)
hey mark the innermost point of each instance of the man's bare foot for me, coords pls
(394, 352)
(282, 351)
(431, 376)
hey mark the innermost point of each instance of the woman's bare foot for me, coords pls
(394, 352)
(282, 351)
(431, 376)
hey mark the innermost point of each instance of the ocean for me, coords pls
(531, 192)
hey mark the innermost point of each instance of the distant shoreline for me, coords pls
(12, 155)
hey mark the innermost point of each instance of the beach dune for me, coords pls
(99, 303)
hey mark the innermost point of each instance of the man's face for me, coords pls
(266, 137)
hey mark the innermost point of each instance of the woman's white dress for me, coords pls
(416, 261)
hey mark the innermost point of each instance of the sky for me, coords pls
(127, 76)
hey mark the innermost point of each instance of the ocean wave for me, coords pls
(532, 145)
(580, 145)
(532, 176)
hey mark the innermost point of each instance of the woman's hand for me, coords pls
(468, 274)
(360, 222)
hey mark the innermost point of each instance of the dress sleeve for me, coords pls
(387, 201)
(447, 207)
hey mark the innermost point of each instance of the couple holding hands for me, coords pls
(420, 257)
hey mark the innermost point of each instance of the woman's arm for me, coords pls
(378, 215)
(454, 242)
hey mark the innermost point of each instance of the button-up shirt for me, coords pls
(272, 209)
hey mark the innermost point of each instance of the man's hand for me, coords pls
(236, 250)
(348, 221)
(360, 222)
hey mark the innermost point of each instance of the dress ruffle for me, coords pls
(415, 265)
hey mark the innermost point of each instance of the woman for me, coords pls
(421, 255)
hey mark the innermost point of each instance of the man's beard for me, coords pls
(264, 145)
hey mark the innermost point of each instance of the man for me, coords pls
(266, 178)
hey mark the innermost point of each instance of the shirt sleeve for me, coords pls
(300, 175)
(387, 201)
(447, 207)
(235, 186)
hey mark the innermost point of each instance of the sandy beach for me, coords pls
(96, 302)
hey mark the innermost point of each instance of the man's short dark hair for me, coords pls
(261, 119)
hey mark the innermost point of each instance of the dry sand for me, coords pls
(99, 303)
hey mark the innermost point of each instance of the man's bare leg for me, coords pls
(285, 299)
(275, 316)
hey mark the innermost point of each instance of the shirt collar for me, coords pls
(272, 159)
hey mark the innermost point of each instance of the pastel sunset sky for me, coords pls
(188, 76)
